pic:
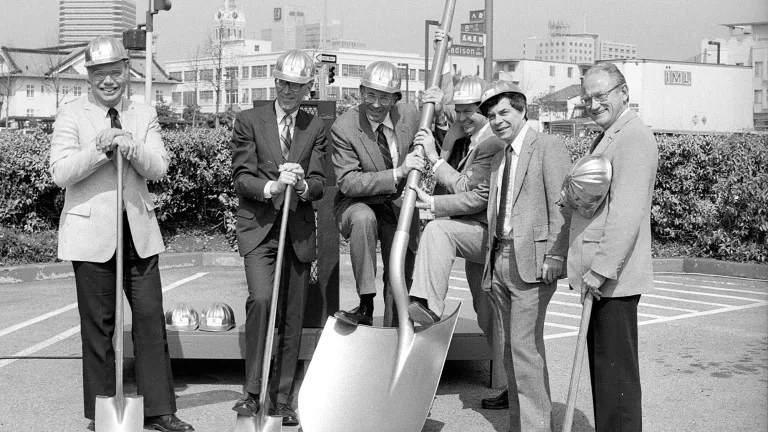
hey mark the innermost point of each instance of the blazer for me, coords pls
(616, 241)
(88, 227)
(359, 167)
(256, 156)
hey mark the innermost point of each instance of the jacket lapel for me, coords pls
(522, 162)
(605, 139)
(468, 159)
(269, 129)
(401, 134)
(492, 192)
(368, 139)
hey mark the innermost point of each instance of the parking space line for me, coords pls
(652, 305)
(686, 300)
(560, 314)
(649, 315)
(458, 288)
(707, 312)
(706, 294)
(36, 320)
(715, 288)
(562, 326)
(578, 305)
(458, 278)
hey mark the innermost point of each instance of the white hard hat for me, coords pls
(103, 50)
(469, 90)
(498, 87)
(294, 66)
(586, 187)
(381, 75)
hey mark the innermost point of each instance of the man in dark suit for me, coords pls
(275, 146)
(610, 252)
(528, 241)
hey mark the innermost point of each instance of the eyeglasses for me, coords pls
(281, 84)
(371, 98)
(587, 100)
(101, 75)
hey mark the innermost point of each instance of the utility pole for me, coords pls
(488, 65)
(152, 9)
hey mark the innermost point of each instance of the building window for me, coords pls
(77, 91)
(64, 90)
(176, 98)
(30, 90)
(758, 97)
(190, 76)
(231, 73)
(259, 93)
(30, 112)
(272, 93)
(758, 69)
(422, 77)
(551, 89)
(332, 92)
(350, 93)
(244, 97)
(352, 71)
(551, 71)
(244, 72)
(255, 48)
(175, 75)
(159, 96)
(231, 96)
(259, 71)
(206, 97)
(206, 75)
(271, 69)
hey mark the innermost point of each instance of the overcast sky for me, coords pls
(661, 29)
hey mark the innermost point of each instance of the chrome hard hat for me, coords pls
(381, 75)
(295, 66)
(181, 318)
(498, 87)
(218, 317)
(469, 90)
(586, 187)
(103, 50)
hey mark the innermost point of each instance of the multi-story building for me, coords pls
(287, 28)
(560, 45)
(83, 20)
(610, 50)
(538, 78)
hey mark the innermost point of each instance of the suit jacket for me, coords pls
(539, 226)
(359, 166)
(256, 156)
(87, 228)
(616, 241)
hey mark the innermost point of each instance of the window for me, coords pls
(77, 91)
(244, 72)
(231, 73)
(259, 71)
(551, 89)
(354, 71)
(255, 48)
(176, 98)
(190, 76)
(244, 97)
(272, 93)
(206, 97)
(332, 92)
(159, 96)
(64, 90)
(231, 96)
(421, 75)
(30, 112)
(350, 92)
(271, 68)
(551, 71)
(259, 93)
(189, 98)
(30, 90)
(206, 75)
(758, 69)
(175, 75)
(758, 97)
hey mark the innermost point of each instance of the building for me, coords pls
(538, 78)
(286, 30)
(82, 20)
(561, 45)
(617, 50)
(34, 83)
(229, 22)
(747, 45)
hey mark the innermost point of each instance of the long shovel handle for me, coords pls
(119, 319)
(578, 357)
(273, 305)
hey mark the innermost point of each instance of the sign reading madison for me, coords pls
(677, 77)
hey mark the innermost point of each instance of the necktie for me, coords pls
(285, 138)
(505, 180)
(112, 112)
(381, 139)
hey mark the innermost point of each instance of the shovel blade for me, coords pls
(354, 381)
(119, 414)
(259, 423)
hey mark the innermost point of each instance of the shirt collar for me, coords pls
(387, 122)
(484, 133)
(280, 113)
(119, 107)
(517, 143)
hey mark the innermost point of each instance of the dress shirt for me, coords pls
(280, 113)
(517, 146)
(389, 133)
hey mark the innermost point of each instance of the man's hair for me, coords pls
(614, 74)
(516, 100)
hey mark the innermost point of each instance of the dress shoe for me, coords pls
(421, 314)
(167, 423)
(358, 315)
(496, 403)
(92, 426)
(290, 418)
(247, 406)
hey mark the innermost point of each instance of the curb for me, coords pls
(63, 270)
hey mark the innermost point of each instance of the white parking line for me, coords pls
(458, 278)
(560, 314)
(652, 305)
(458, 288)
(562, 326)
(685, 300)
(578, 305)
(36, 320)
(74, 330)
(714, 288)
(705, 294)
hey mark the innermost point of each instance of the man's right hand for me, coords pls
(105, 140)
(412, 161)
(287, 178)
(425, 139)
(423, 200)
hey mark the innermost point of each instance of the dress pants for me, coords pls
(614, 368)
(260, 275)
(95, 283)
(522, 308)
(364, 224)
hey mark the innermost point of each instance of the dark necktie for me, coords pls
(500, 220)
(285, 137)
(113, 116)
(381, 139)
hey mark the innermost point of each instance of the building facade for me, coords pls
(560, 45)
(610, 50)
(538, 78)
(82, 20)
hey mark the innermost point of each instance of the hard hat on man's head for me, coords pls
(496, 88)
(587, 185)
(294, 66)
(469, 90)
(381, 75)
(103, 50)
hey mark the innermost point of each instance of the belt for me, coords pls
(498, 243)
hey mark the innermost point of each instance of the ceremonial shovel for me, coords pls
(263, 422)
(578, 358)
(119, 413)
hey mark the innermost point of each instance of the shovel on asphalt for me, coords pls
(381, 379)
(119, 413)
(578, 359)
(263, 422)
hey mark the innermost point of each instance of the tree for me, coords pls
(222, 56)
(9, 85)
(53, 76)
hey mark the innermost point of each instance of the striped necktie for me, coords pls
(285, 137)
(505, 180)
(381, 139)
(115, 121)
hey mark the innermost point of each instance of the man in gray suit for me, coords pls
(528, 241)
(610, 253)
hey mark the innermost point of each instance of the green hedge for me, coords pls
(711, 195)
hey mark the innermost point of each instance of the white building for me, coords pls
(610, 50)
(561, 45)
(83, 20)
(538, 78)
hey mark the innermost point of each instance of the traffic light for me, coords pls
(160, 5)
(331, 74)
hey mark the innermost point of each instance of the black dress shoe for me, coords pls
(247, 406)
(421, 314)
(92, 426)
(290, 418)
(496, 403)
(167, 423)
(358, 315)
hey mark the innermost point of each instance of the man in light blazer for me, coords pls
(610, 253)
(87, 135)
(275, 146)
(528, 242)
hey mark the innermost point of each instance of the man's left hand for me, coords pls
(127, 146)
(551, 270)
(423, 200)
(434, 95)
(425, 139)
(294, 168)
(591, 282)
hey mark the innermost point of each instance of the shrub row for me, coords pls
(711, 196)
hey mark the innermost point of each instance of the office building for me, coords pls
(83, 20)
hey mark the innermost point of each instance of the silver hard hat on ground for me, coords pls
(587, 185)
(218, 317)
(469, 90)
(103, 50)
(294, 66)
(381, 75)
(182, 318)
(498, 87)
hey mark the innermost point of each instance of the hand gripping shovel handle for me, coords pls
(578, 358)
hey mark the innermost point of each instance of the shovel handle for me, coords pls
(117, 341)
(578, 357)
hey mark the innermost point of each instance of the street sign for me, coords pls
(326, 58)
(473, 27)
(467, 51)
(473, 39)
(477, 16)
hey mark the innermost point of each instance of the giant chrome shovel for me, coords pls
(578, 359)
(381, 379)
(119, 413)
(263, 422)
